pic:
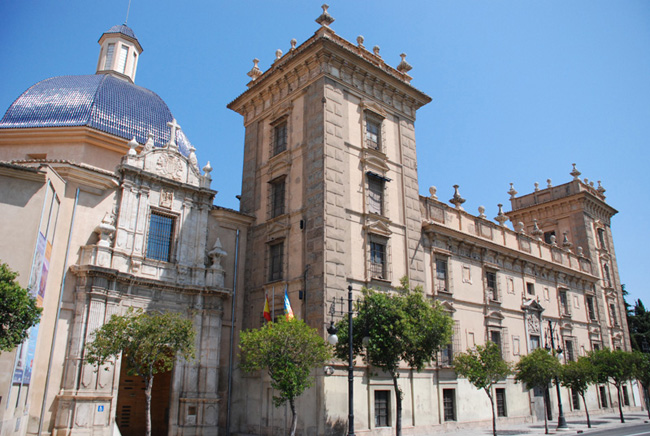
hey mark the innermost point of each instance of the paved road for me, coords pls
(627, 430)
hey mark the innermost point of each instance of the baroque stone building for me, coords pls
(116, 213)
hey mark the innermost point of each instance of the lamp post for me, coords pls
(561, 422)
(333, 339)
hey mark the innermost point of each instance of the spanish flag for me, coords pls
(267, 311)
(287, 305)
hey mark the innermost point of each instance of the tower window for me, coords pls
(491, 285)
(530, 288)
(110, 52)
(612, 314)
(601, 238)
(276, 255)
(442, 284)
(373, 133)
(378, 259)
(564, 303)
(280, 138)
(121, 62)
(278, 187)
(161, 235)
(591, 309)
(375, 195)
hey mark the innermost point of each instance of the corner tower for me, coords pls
(575, 217)
(330, 174)
(119, 54)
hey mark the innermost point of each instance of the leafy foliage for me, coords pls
(403, 326)
(578, 375)
(537, 369)
(18, 310)
(617, 367)
(638, 320)
(483, 367)
(148, 342)
(288, 350)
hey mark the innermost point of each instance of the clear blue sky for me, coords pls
(521, 89)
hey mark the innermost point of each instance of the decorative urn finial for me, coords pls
(133, 144)
(457, 200)
(432, 191)
(575, 173)
(360, 41)
(481, 212)
(537, 233)
(501, 218)
(325, 19)
(255, 72)
(404, 67)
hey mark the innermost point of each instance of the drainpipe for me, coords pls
(232, 333)
(58, 312)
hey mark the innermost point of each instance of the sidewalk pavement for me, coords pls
(577, 424)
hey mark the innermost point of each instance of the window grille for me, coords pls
(382, 408)
(160, 236)
(449, 400)
(492, 288)
(591, 309)
(277, 197)
(373, 133)
(279, 138)
(565, 309)
(448, 353)
(276, 265)
(575, 399)
(603, 396)
(569, 349)
(442, 276)
(375, 195)
(378, 260)
(612, 314)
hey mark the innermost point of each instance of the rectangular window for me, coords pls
(377, 259)
(626, 397)
(575, 399)
(382, 408)
(280, 138)
(501, 402)
(564, 304)
(161, 236)
(591, 309)
(441, 275)
(570, 355)
(110, 51)
(375, 195)
(447, 355)
(534, 342)
(373, 133)
(277, 196)
(449, 404)
(612, 314)
(603, 396)
(530, 288)
(606, 276)
(276, 255)
(601, 238)
(595, 346)
(495, 336)
(121, 63)
(491, 282)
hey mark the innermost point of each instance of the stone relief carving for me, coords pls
(170, 166)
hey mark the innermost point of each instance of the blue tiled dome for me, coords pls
(103, 102)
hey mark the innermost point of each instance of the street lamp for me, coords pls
(333, 339)
(561, 422)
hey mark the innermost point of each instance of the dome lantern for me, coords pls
(119, 53)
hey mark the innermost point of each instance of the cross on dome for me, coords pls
(173, 125)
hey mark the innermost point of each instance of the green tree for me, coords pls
(18, 310)
(578, 375)
(537, 370)
(643, 375)
(403, 326)
(638, 321)
(615, 367)
(148, 342)
(288, 350)
(483, 367)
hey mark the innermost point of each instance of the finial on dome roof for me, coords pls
(293, 43)
(148, 146)
(133, 144)
(501, 218)
(457, 200)
(512, 191)
(375, 51)
(404, 67)
(360, 40)
(325, 19)
(207, 169)
(173, 125)
(575, 173)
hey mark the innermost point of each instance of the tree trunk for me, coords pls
(494, 416)
(582, 394)
(545, 413)
(294, 417)
(398, 404)
(620, 406)
(148, 384)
